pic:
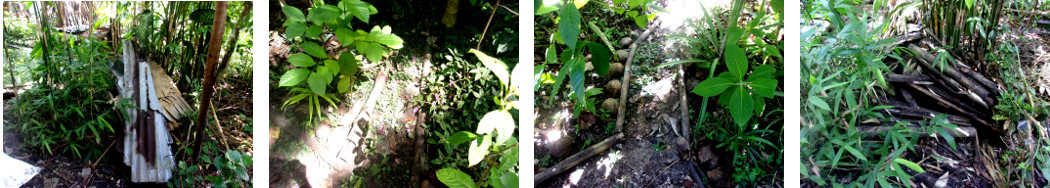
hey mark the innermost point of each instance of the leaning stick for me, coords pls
(627, 79)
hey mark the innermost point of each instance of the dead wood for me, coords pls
(950, 70)
(577, 158)
(626, 80)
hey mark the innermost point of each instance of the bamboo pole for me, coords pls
(209, 70)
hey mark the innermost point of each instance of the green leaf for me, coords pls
(460, 137)
(293, 13)
(326, 74)
(509, 158)
(519, 77)
(969, 4)
(600, 57)
(373, 52)
(641, 21)
(359, 9)
(634, 3)
(543, 9)
(501, 121)
(314, 50)
(569, 25)
(736, 61)
(390, 40)
(764, 86)
(345, 36)
(764, 71)
(332, 66)
(552, 55)
(495, 65)
(294, 77)
(294, 30)
(740, 106)
(322, 14)
(344, 84)
(819, 103)
(301, 60)
(455, 179)
(910, 164)
(313, 31)
(576, 79)
(712, 86)
(477, 151)
(317, 83)
(348, 64)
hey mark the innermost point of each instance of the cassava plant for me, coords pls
(314, 67)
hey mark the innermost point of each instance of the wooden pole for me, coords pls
(236, 35)
(209, 70)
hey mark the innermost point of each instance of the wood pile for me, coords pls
(952, 88)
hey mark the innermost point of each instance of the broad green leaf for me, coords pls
(764, 71)
(322, 14)
(301, 60)
(576, 79)
(760, 104)
(294, 76)
(332, 66)
(733, 34)
(736, 61)
(460, 137)
(348, 64)
(969, 4)
(618, 2)
(740, 106)
(495, 65)
(560, 78)
(344, 84)
(294, 30)
(325, 74)
(455, 179)
(477, 151)
(764, 86)
(569, 25)
(359, 9)
(501, 121)
(600, 57)
(910, 164)
(316, 83)
(712, 86)
(540, 10)
(390, 40)
(580, 3)
(552, 54)
(641, 21)
(634, 3)
(345, 36)
(509, 158)
(314, 50)
(293, 13)
(313, 31)
(373, 52)
(520, 76)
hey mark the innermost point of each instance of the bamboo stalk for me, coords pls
(577, 158)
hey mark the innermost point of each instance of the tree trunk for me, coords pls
(236, 36)
(209, 71)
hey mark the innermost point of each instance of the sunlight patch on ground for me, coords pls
(660, 89)
(574, 178)
(608, 161)
(680, 11)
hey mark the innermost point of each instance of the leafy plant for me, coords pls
(314, 67)
(573, 57)
(637, 10)
(500, 155)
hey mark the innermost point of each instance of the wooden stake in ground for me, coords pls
(209, 72)
(627, 78)
(577, 158)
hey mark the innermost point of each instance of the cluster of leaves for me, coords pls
(839, 66)
(637, 10)
(314, 67)
(460, 93)
(742, 90)
(69, 108)
(231, 167)
(499, 154)
(573, 59)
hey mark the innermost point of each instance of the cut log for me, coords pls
(951, 72)
(577, 158)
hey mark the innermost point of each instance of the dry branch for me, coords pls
(625, 83)
(577, 158)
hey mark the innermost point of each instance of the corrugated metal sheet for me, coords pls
(147, 147)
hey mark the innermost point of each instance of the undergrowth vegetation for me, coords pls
(844, 62)
(60, 66)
